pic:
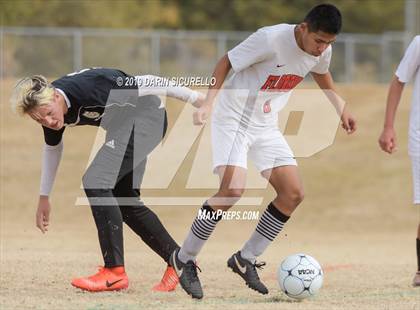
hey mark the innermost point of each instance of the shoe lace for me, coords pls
(260, 265)
(254, 268)
(191, 270)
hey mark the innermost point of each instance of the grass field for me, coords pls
(357, 220)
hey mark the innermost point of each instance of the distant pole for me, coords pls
(1, 55)
(417, 17)
(221, 45)
(77, 50)
(412, 19)
(410, 16)
(155, 52)
(349, 57)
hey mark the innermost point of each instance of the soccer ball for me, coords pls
(300, 276)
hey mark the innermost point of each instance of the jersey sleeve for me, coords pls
(50, 162)
(52, 137)
(254, 49)
(159, 86)
(323, 65)
(410, 62)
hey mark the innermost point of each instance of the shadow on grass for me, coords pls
(280, 298)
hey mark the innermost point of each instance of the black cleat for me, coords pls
(248, 272)
(187, 274)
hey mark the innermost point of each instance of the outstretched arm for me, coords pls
(155, 85)
(50, 162)
(388, 139)
(326, 82)
(220, 72)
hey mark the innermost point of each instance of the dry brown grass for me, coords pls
(357, 220)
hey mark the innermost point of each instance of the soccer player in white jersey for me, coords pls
(271, 62)
(408, 69)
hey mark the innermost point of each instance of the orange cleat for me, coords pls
(169, 281)
(416, 280)
(107, 279)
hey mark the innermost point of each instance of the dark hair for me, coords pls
(324, 17)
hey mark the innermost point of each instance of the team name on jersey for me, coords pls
(284, 82)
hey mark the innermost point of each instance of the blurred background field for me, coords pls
(357, 218)
(179, 37)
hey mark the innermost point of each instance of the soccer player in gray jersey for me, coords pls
(135, 122)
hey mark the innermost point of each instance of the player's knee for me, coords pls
(135, 212)
(93, 179)
(234, 193)
(88, 181)
(126, 192)
(87, 187)
(226, 198)
(296, 196)
(93, 190)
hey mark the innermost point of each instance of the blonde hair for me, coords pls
(31, 92)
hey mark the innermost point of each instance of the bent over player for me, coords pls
(135, 122)
(268, 64)
(408, 69)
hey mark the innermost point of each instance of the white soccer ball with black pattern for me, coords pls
(300, 276)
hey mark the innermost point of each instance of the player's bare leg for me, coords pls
(289, 189)
(232, 184)
(288, 186)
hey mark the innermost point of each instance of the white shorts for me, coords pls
(265, 146)
(415, 163)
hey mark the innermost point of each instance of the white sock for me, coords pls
(200, 231)
(269, 226)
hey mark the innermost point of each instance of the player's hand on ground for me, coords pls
(43, 214)
(388, 140)
(348, 122)
(201, 115)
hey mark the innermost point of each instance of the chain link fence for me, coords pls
(54, 52)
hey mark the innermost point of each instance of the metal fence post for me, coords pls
(353, 43)
(77, 50)
(155, 52)
(349, 59)
(221, 45)
(384, 60)
(1, 53)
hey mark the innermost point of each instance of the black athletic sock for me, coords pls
(418, 254)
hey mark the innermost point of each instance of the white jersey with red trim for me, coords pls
(409, 69)
(267, 66)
